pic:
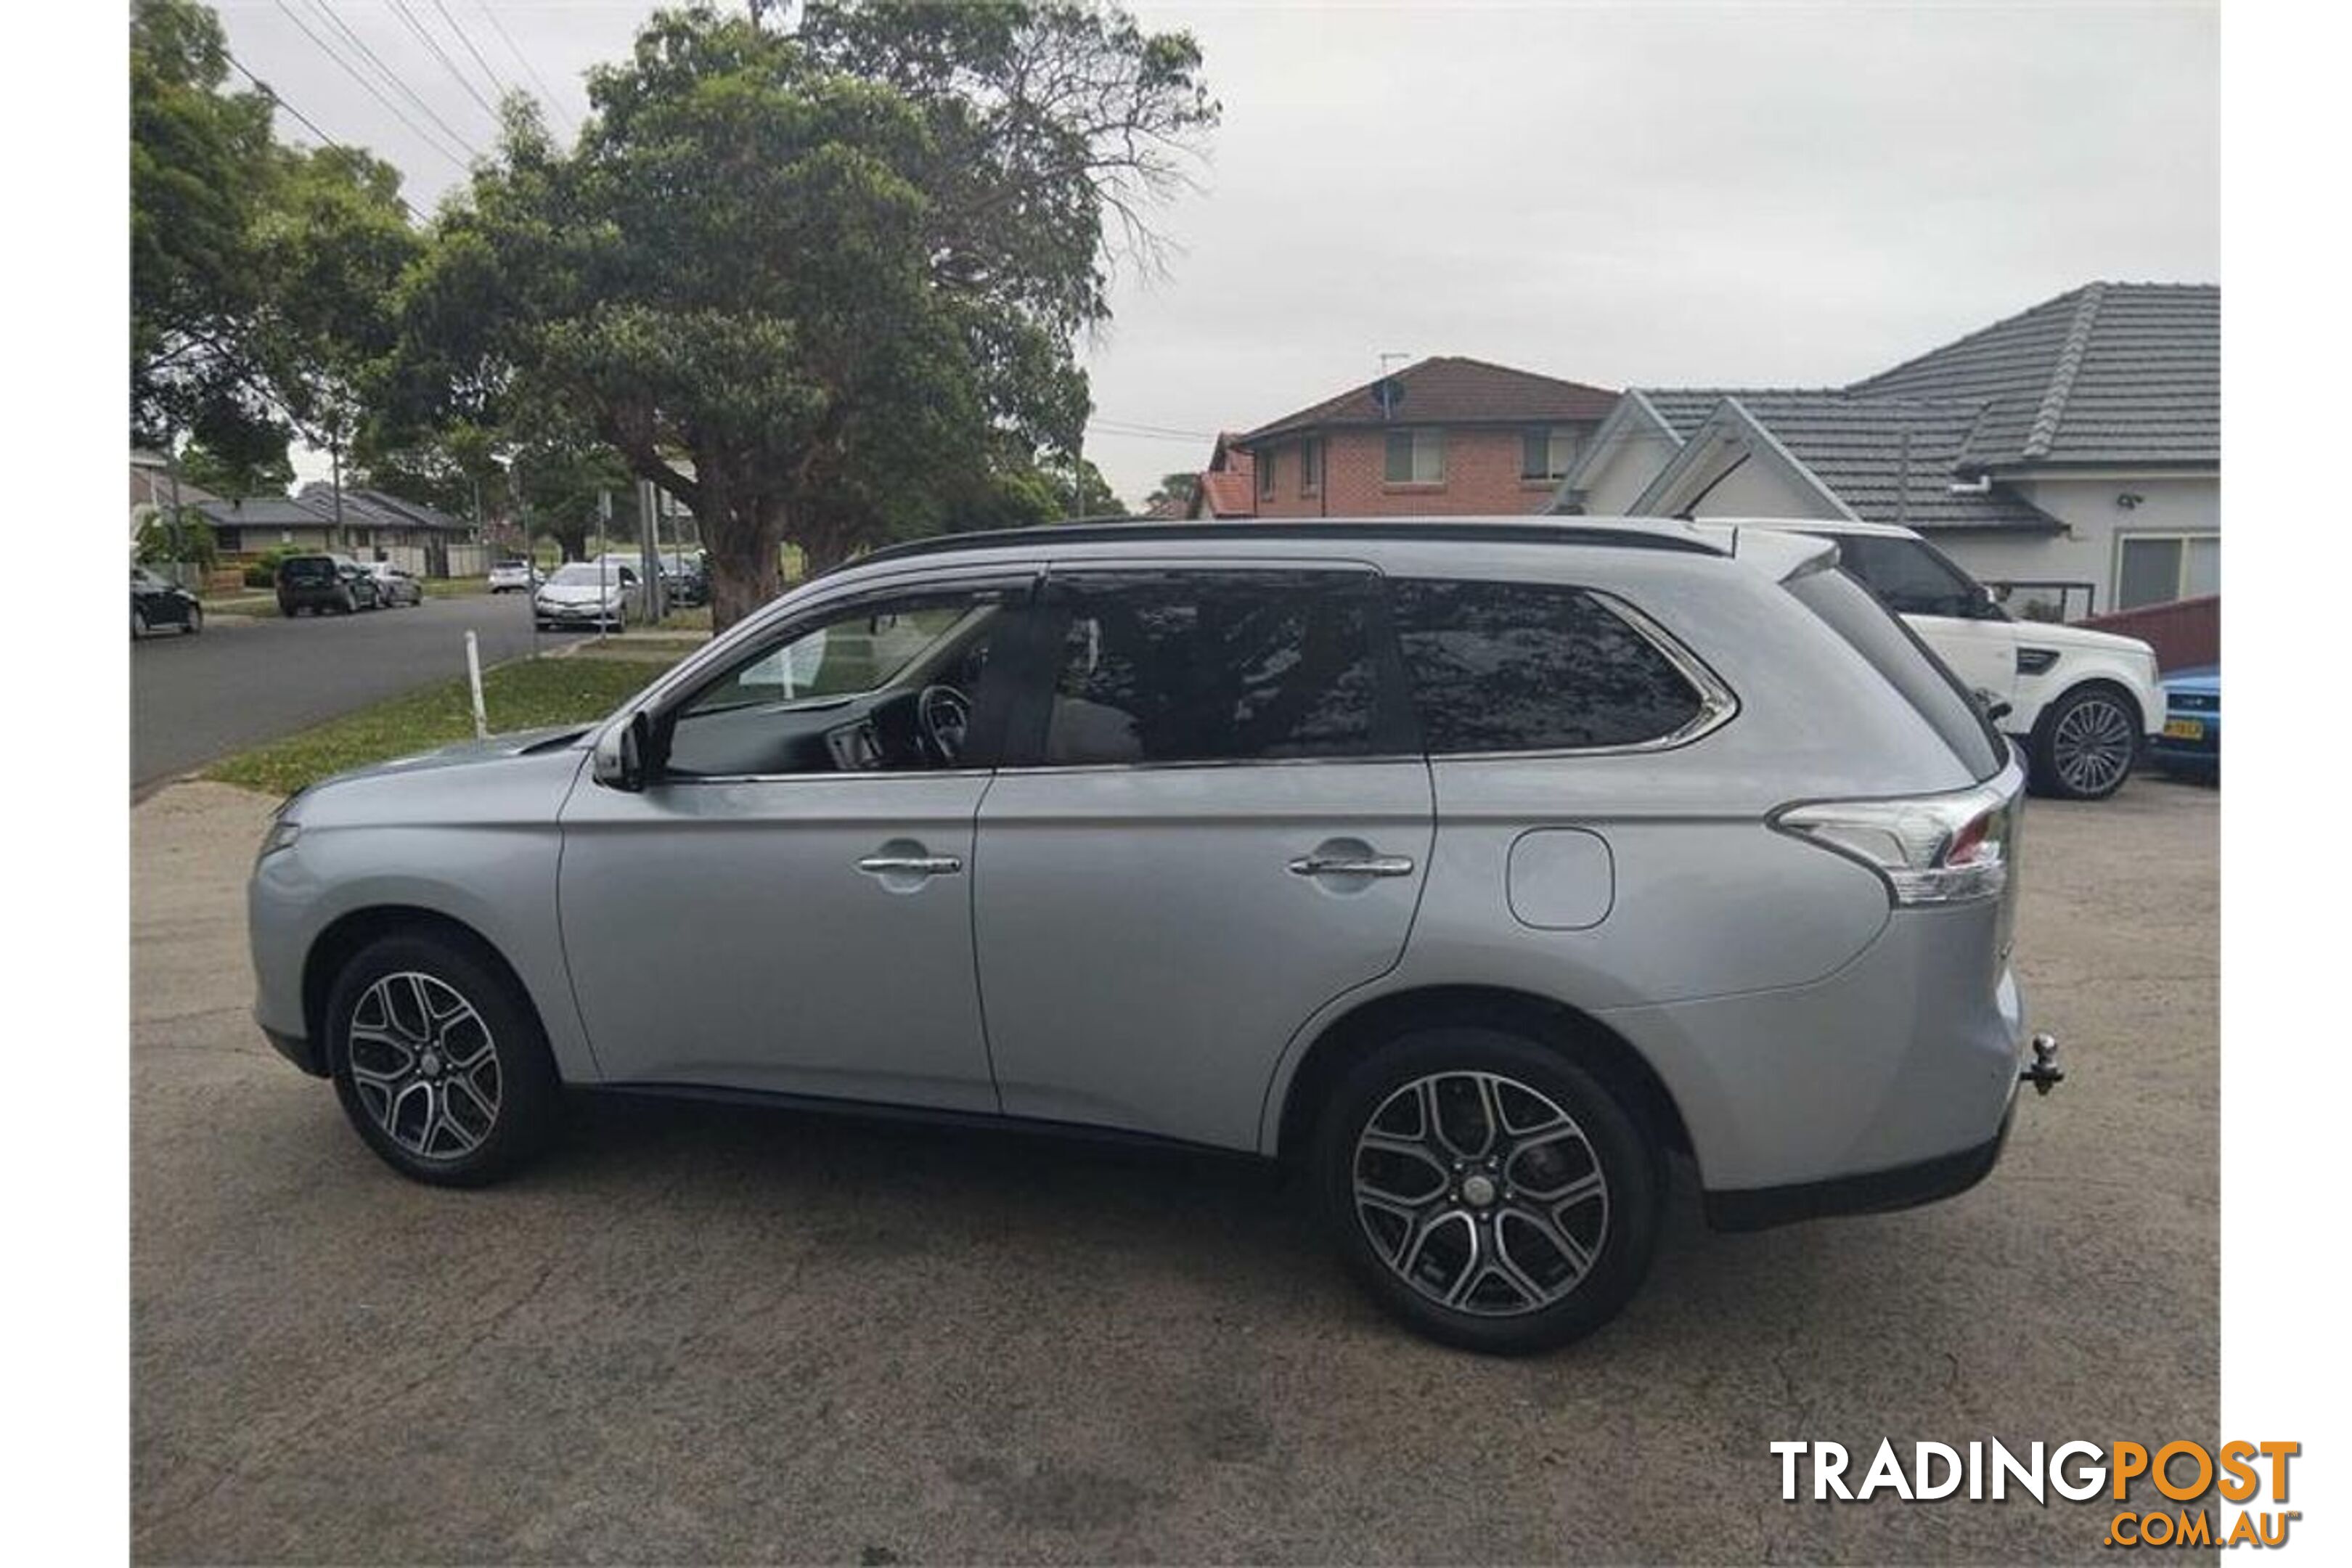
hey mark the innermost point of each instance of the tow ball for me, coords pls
(2044, 1074)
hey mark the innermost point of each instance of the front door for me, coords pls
(1213, 820)
(1945, 605)
(786, 906)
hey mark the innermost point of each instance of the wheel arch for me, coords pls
(1542, 1018)
(343, 939)
(2095, 681)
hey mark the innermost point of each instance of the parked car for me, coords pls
(394, 586)
(2080, 702)
(2191, 745)
(598, 594)
(1473, 866)
(157, 601)
(515, 576)
(324, 582)
(686, 578)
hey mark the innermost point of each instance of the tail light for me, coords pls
(1929, 849)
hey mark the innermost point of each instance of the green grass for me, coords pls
(517, 696)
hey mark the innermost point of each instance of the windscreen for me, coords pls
(1896, 653)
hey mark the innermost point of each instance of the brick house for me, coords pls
(1445, 436)
(1228, 486)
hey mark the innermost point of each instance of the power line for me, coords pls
(308, 123)
(547, 93)
(353, 72)
(466, 38)
(391, 76)
(409, 21)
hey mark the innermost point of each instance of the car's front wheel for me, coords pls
(440, 1064)
(2084, 744)
(1487, 1190)
(138, 622)
(194, 622)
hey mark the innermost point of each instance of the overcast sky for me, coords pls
(1651, 194)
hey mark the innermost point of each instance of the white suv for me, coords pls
(2079, 701)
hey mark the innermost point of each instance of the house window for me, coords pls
(1416, 458)
(1265, 475)
(1310, 465)
(2157, 568)
(1545, 451)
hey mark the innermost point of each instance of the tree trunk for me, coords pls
(743, 537)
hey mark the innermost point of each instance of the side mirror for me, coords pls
(622, 753)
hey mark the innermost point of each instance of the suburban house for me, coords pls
(150, 489)
(375, 527)
(1443, 437)
(2068, 456)
(1228, 486)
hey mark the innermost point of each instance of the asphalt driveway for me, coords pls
(196, 698)
(710, 1334)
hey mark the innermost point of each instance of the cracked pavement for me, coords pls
(710, 1333)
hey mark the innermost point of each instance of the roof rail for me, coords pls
(1531, 530)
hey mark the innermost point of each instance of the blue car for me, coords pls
(2191, 745)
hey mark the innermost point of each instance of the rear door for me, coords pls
(1214, 818)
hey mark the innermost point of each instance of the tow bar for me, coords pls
(2045, 1074)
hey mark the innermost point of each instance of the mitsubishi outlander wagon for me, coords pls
(1474, 866)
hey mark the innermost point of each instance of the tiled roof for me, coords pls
(374, 509)
(260, 512)
(1449, 390)
(1230, 492)
(1856, 446)
(2109, 372)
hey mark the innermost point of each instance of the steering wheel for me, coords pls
(944, 715)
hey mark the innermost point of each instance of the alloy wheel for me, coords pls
(425, 1066)
(1480, 1192)
(2092, 747)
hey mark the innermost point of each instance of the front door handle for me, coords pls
(910, 865)
(1323, 865)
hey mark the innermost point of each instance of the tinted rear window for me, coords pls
(1896, 653)
(1213, 667)
(307, 569)
(1532, 667)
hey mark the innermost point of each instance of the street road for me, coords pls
(196, 698)
(712, 1335)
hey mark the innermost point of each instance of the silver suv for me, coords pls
(1474, 866)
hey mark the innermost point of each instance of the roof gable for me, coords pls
(1451, 390)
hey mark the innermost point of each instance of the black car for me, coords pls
(686, 579)
(156, 603)
(324, 582)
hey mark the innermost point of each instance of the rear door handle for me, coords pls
(910, 865)
(1321, 864)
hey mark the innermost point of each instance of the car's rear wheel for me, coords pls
(440, 1064)
(2084, 744)
(1486, 1190)
(194, 622)
(138, 622)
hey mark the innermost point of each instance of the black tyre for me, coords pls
(195, 623)
(440, 1064)
(2084, 744)
(1487, 1190)
(138, 622)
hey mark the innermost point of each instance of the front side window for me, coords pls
(885, 685)
(1532, 667)
(1912, 579)
(1416, 458)
(1212, 667)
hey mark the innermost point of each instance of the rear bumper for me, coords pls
(1870, 1192)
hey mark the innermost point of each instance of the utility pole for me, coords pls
(335, 453)
(649, 547)
(172, 472)
(603, 520)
